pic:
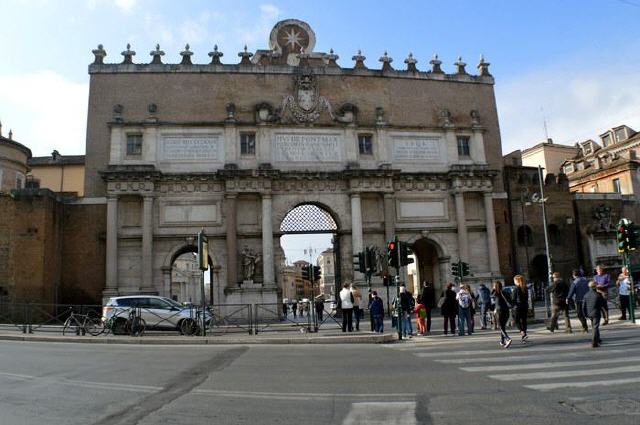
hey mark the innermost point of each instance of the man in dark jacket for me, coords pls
(376, 308)
(578, 290)
(428, 299)
(484, 299)
(560, 291)
(593, 305)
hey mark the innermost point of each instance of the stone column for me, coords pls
(461, 219)
(111, 287)
(147, 244)
(356, 231)
(232, 240)
(389, 217)
(492, 239)
(267, 242)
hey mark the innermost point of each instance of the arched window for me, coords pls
(525, 236)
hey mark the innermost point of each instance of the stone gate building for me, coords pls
(287, 141)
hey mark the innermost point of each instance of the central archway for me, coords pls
(430, 263)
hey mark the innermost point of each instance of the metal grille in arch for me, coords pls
(308, 218)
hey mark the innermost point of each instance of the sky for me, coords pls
(571, 63)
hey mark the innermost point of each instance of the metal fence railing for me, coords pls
(270, 317)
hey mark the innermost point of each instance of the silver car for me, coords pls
(158, 313)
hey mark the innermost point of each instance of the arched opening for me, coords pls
(555, 234)
(428, 264)
(309, 235)
(525, 236)
(186, 277)
(539, 272)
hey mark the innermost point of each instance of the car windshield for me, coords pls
(173, 303)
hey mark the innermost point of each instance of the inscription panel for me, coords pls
(409, 210)
(417, 149)
(191, 148)
(189, 214)
(294, 147)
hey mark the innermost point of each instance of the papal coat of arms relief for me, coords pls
(306, 104)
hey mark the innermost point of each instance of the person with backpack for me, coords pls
(579, 288)
(464, 310)
(421, 315)
(449, 308)
(503, 306)
(484, 300)
(521, 304)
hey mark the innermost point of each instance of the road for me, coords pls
(430, 380)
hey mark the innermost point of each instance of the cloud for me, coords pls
(46, 111)
(579, 102)
(260, 30)
(124, 5)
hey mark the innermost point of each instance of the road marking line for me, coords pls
(586, 384)
(395, 413)
(577, 354)
(86, 384)
(547, 365)
(298, 396)
(565, 373)
(516, 349)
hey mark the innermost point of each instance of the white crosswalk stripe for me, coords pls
(377, 413)
(551, 362)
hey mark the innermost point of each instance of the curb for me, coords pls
(279, 340)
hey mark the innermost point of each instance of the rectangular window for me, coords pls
(616, 186)
(568, 169)
(463, 146)
(32, 183)
(632, 154)
(134, 144)
(606, 140)
(248, 144)
(365, 144)
(19, 181)
(621, 134)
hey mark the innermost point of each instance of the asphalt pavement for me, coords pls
(425, 380)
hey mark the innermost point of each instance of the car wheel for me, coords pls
(188, 327)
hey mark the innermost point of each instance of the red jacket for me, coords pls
(418, 308)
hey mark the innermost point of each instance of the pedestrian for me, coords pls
(449, 308)
(284, 309)
(503, 305)
(577, 291)
(294, 308)
(407, 304)
(603, 281)
(464, 306)
(593, 307)
(320, 309)
(369, 299)
(472, 308)
(346, 301)
(560, 291)
(428, 299)
(357, 304)
(421, 315)
(376, 308)
(484, 300)
(624, 289)
(521, 303)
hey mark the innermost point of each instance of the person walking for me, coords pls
(407, 304)
(428, 299)
(521, 303)
(294, 308)
(593, 307)
(357, 306)
(603, 281)
(624, 289)
(472, 308)
(285, 309)
(577, 291)
(376, 308)
(319, 304)
(503, 305)
(369, 299)
(346, 302)
(421, 315)
(484, 301)
(560, 291)
(464, 306)
(449, 308)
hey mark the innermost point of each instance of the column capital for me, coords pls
(112, 196)
(265, 195)
(148, 196)
(354, 194)
(388, 195)
(488, 194)
(231, 195)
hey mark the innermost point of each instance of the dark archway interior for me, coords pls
(539, 270)
(209, 291)
(427, 263)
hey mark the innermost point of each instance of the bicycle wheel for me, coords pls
(188, 327)
(67, 328)
(137, 326)
(95, 326)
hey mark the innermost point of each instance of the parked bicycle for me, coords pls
(81, 324)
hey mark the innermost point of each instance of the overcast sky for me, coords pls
(574, 62)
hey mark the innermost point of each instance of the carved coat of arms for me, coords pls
(306, 104)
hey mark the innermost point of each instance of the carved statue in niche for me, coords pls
(602, 217)
(249, 260)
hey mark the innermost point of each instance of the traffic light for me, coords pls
(634, 236)
(316, 273)
(405, 252)
(359, 262)
(464, 269)
(370, 260)
(392, 254)
(623, 235)
(305, 272)
(455, 269)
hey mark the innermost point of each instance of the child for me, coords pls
(421, 314)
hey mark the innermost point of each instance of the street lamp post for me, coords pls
(546, 240)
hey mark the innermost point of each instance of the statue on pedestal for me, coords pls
(249, 260)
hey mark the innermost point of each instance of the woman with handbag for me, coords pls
(449, 308)
(503, 305)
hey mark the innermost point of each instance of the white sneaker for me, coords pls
(508, 343)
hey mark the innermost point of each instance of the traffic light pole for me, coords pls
(627, 263)
(399, 323)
